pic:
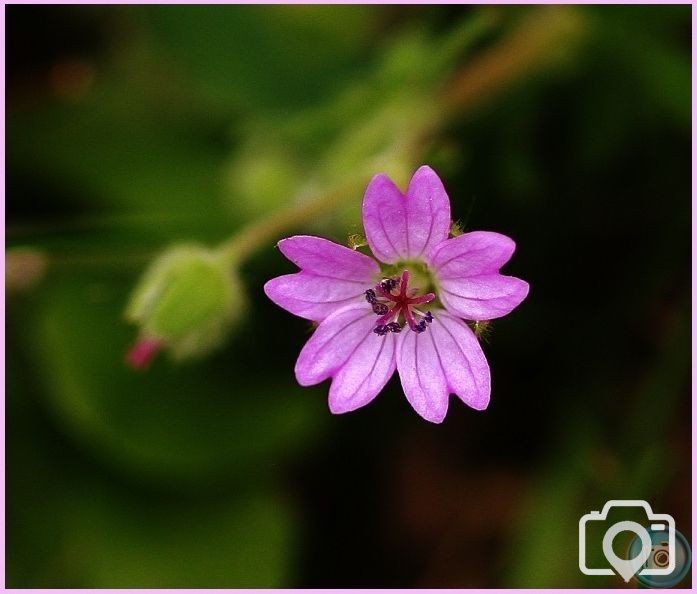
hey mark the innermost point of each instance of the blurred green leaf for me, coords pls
(119, 542)
(283, 58)
(77, 527)
(174, 423)
(119, 152)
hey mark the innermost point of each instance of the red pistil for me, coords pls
(400, 303)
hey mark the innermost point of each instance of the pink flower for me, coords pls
(405, 308)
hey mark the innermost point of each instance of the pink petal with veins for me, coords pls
(405, 226)
(345, 348)
(332, 277)
(328, 259)
(313, 297)
(466, 269)
(447, 359)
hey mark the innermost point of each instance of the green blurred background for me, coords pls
(131, 129)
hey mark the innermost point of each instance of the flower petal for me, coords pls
(484, 297)
(444, 359)
(471, 254)
(405, 227)
(313, 297)
(328, 259)
(364, 374)
(466, 272)
(422, 375)
(332, 277)
(345, 348)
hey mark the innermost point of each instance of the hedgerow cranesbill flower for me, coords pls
(405, 307)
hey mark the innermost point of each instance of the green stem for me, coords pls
(537, 40)
(264, 231)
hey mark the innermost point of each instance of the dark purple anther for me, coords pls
(388, 284)
(428, 317)
(370, 296)
(380, 330)
(380, 308)
(420, 327)
(394, 327)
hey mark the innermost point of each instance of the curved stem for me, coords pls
(266, 230)
(540, 38)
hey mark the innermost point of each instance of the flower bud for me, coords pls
(185, 303)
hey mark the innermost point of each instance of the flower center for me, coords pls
(395, 302)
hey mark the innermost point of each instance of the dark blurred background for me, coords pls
(130, 129)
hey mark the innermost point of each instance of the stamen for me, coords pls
(384, 294)
(427, 317)
(408, 316)
(390, 306)
(389, 315)
(388, 284)
(380, 308)
(427, 298)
